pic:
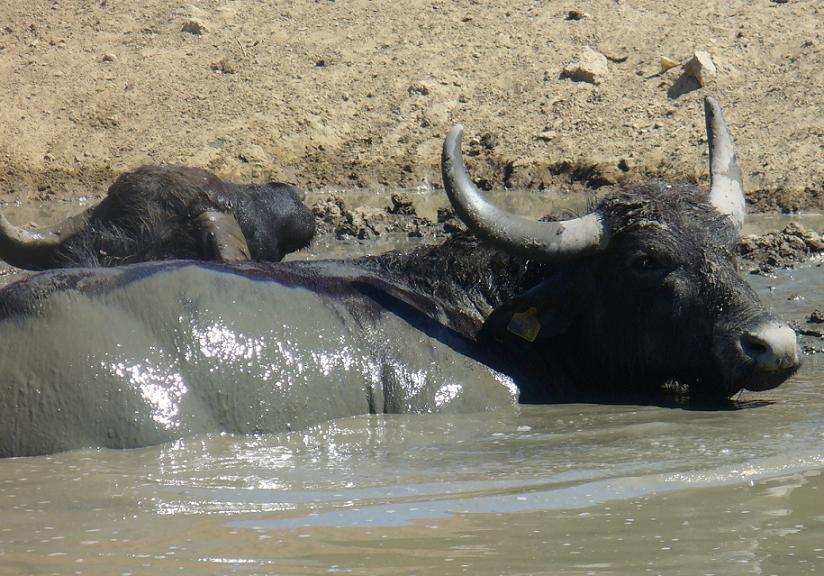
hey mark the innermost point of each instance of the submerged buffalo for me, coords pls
(640, 295)
(165, 212)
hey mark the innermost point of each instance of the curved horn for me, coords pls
(32, 248)
(515, 234)
(727, 186)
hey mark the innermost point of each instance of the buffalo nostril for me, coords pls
(752, 346)
(771, 347)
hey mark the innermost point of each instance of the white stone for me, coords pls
(588, 66)
(667, 63)
(700, 67)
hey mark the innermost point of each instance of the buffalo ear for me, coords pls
(545, 311)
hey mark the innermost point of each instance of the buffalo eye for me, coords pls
(645, 263)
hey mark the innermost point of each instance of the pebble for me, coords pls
(109, 57)
(253, 154)
(225, 66)
(547, 135)
(576, 14)
(700, 67)
(667, 63)
(588, 66)
(420, 88)
(194, 26)
(489, 141)
(401, 204)
(618, 58)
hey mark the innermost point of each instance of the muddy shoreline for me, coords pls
(346, 216)
(792, 244)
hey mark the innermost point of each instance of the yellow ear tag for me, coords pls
(525, 324)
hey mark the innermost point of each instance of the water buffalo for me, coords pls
(638, 295)
(164, 212)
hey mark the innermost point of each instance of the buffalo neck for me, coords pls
(458, 283)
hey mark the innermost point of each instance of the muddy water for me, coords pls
(570, 489)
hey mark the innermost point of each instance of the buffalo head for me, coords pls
(642, 292)
(165, 212)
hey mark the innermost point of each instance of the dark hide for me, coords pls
(662, 308)
(663, 305)
(136, 355)
(151, 214)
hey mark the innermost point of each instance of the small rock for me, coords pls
(419, 88)
(814, 332)
(576, 14)
(224, 66)
(618, 58)
(401, 204)
(489, 141)
(817, 317)
(588, 66)
(333, 216)
(109, 57)
(444, 214)
(626, 164)
(416, 231)
(450, 222)
(194, 26)
(547, 135)
(667, 63)
(700, 67)
(253, 154)
(795, 244)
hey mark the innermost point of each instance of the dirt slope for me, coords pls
(360, 93)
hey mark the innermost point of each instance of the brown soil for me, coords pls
(360, 93)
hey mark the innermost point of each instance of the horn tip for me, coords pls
(456, 131)
(452, 143)
(712, 109)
